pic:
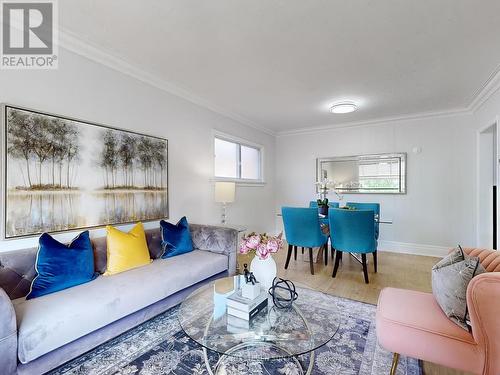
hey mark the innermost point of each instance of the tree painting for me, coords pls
(65, 174)
(123, 154)
(42, 143)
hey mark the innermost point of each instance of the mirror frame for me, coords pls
(381, 156)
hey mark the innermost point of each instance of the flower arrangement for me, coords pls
(262, 244)
(323, 188)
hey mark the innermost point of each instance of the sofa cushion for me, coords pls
(60, 266)
(50, 321)
(126, 251)
(153, 238)
(176, 238)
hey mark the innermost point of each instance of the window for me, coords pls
(367, 174)
(380, 175)
(237, 160)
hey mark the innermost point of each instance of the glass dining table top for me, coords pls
(324, 219)
(274, 333)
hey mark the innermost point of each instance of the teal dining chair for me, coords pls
(353, 232)
(302, 228)
(324, 222)
(368, 206)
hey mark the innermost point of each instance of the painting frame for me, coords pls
(4, 199)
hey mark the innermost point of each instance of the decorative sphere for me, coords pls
(283, 293)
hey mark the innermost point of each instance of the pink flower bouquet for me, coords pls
(262, 244)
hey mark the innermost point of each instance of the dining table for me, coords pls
(324, 219)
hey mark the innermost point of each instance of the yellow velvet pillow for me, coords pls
(126, 250)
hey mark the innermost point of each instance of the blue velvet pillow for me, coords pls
(175, 239)
(61, 266)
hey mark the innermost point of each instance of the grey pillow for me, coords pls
(450, 278)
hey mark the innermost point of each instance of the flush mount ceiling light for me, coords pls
(343, 107)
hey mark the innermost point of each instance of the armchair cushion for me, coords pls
(450, 278)
(413, 324)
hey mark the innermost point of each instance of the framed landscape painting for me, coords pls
(63, 174)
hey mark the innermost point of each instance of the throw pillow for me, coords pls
(61, 266)
(175, 239)
(126, 250)
(450, 278)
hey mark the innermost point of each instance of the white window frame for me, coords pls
(240, 142)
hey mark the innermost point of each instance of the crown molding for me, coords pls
(376, 122)
(490, 87)
(73, 43)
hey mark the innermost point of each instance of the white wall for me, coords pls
(486, 180)
(84, 89)
(438, 210)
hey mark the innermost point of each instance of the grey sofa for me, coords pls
(40, 334)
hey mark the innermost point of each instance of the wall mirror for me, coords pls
(364, 174)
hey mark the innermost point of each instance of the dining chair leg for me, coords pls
(311, 263)
(338, 257)
(325, 246)
(295, 252)
(332, 250)
(375, 261)
(302, 250)
(365, 268)
(289, 255)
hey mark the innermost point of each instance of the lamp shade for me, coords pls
(224, 192)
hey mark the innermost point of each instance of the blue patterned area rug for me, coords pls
(159, 347)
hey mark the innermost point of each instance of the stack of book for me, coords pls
(244, 308)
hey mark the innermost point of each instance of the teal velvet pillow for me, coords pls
(175, 239)
(61, 266)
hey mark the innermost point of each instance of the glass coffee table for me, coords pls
(274, 334)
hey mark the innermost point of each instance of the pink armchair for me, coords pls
(413, 324)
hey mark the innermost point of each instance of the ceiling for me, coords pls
(279, 64)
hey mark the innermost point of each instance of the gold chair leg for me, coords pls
(394, 366)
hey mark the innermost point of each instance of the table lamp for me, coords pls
(224, 193)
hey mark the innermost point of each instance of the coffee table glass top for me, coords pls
(274, 333)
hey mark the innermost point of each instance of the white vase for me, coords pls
(264, 271)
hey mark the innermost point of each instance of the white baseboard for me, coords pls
(413, 248)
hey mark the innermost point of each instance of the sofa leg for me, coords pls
(394, 366)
